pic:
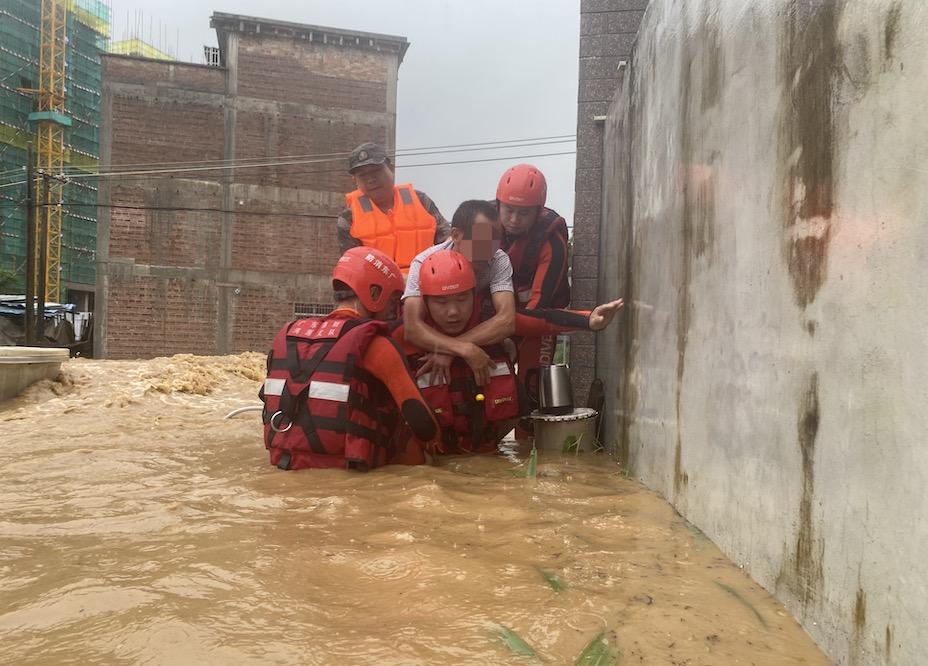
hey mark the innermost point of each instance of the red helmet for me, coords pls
(445, 273)
(522, 185)
(363, 268)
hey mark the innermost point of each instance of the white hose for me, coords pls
(240, 410)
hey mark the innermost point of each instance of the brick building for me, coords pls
(608, 29)
(214, 261)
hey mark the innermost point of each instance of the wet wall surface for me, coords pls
(766, 179)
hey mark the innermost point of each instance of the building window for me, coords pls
(311, 309)
(211, 56)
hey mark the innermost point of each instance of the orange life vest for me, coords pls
(402, 232)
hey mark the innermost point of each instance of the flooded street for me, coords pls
(139, 527)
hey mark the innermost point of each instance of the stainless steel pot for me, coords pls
(555, 394)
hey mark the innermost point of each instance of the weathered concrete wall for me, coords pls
(766, 207)
(216, 261)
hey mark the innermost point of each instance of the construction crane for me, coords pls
(51, 120)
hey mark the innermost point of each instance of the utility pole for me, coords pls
(43, 259)
(30, 246)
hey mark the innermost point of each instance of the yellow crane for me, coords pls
(50, 119)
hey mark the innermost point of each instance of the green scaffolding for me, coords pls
(88, 31)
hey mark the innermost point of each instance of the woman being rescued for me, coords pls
(474, 418)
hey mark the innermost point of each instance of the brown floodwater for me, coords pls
(139, 527)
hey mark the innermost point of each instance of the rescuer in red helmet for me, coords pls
(535, 238)
(338, 385)
(477, 234)
(475, 417)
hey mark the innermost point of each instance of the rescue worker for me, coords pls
(475, 418)
(337, 385)
(536, 240)
(475, 233)
(396, 219)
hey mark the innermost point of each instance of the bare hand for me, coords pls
(480, 364)
(603, 314)
(439, 365)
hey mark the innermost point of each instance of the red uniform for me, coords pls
(539, 276)
(465, 426)
(472, 424)
(336, 388)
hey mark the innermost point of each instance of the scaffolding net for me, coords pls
(88, 25)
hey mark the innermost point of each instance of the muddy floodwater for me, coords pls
(139, 527)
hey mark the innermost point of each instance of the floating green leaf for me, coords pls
(551, 579)
(514, 642)
(597, 653)
(531, 470)
(571, 444)
(733, 592)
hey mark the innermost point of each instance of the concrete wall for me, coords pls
(607, 35)
(225, 279)
(766, 206)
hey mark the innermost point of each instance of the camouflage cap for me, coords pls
(367, 153)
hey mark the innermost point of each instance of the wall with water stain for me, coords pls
(766, 177)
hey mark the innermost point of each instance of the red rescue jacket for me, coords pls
(469, 425)
(321, 408)
(524, 251)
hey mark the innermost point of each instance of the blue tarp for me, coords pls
(15, 306)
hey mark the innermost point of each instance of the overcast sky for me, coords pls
(475, 71)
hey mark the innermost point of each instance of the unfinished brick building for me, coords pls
(214, 261)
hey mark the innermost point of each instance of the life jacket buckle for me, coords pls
(274, 427)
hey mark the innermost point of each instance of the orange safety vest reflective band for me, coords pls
(401, 233)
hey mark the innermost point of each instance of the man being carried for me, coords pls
(475, 233)
(475, 416)
(396, 219)
(336, 385)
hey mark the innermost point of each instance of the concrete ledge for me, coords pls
(21, 366)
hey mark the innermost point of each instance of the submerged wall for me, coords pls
(766, 201)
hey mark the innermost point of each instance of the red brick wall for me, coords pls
(169, 290)
(151, 316)
(166, 237)
(258, 313)
(288, 70)
(122, 69)
(284, 244)
(277, 133)
(147, 130)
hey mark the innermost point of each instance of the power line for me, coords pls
(405, 152)
(144, 174)
(269, 213)
(286, 160)
(302, 162)
(277, 163)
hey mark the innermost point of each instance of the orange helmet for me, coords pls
(362, 269)
(522, 185)
(445, 273)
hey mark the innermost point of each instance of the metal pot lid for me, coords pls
(578, 414)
